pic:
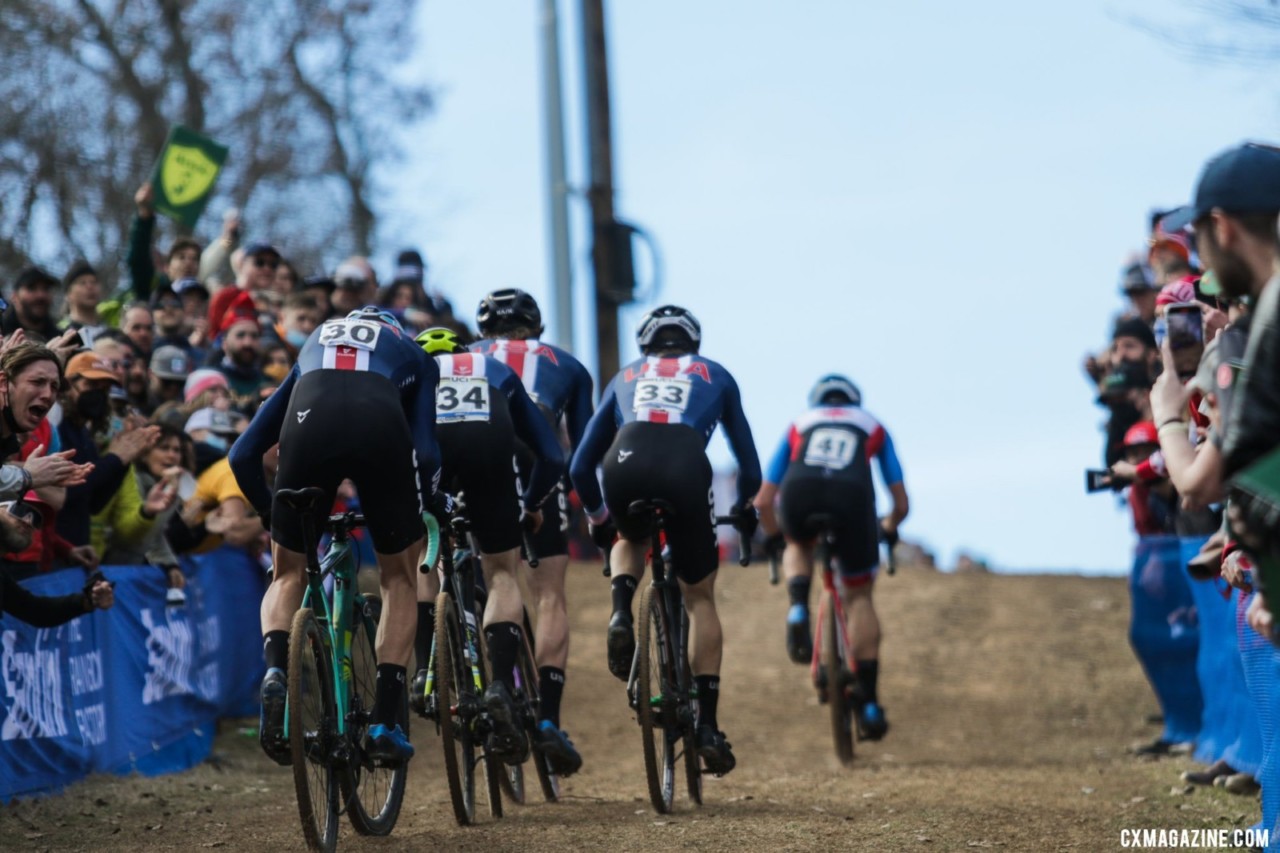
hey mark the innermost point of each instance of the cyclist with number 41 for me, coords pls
(511, 324)
(823, 467)
(359, 405)
(649, 435)
(481, 408)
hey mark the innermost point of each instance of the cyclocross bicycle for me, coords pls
(660, 687)
(332, 686)
(832, 668)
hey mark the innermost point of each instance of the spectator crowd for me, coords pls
(1191, 385)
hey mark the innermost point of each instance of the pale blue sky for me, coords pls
(932, 199)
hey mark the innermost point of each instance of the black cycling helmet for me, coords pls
(834, 388)
(669, 327)
(504, 310)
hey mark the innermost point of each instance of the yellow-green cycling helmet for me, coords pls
(440, 341)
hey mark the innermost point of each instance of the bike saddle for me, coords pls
(308, 500)
(648, 507)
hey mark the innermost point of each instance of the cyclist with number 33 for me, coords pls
(481, 408)
(823, 467)
(649, 435)
(359, 404)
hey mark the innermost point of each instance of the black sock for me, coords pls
(798, 591)
(708, 698)
(624, 589)
(550, 689)
(390, 694)
(426, 632)
(275, 649)
(868, 671)
(504, 642)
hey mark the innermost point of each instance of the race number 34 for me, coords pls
(462, 398)
(830, 448)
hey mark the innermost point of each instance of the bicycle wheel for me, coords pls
(511, 776)
(455, 711)
(689, 720)
(494, 770)
(313, 731)
(373, 794)
(654, 699)
(838, 680)
(547, 780)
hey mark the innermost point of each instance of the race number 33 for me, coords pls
(360, 334)
(830, 448)
(662, 392)
(462, 398)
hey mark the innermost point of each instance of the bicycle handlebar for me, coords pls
(744, 541)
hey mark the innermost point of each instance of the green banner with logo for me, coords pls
(185, 174)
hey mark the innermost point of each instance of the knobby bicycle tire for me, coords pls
(653, 685)
(692, 764)
(313, 729)
(452, 679)
(363, 785)
(837, 682)
(547, 780)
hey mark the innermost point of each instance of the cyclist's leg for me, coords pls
(503, 609)
(859, 556)
(546, 585)
(696, 567)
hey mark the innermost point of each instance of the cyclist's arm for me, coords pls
(534, 430)
(578, 412)
(247, 451)
(422, 425)
(891, 471)
(595, 443)
(738, 432)
(769, 491)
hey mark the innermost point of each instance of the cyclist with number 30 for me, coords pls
(481, 408)
(823, 468)
(649, 435)
(359, 404)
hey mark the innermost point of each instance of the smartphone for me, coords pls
(1097, 481)
(1160, 329)
(1185, 325)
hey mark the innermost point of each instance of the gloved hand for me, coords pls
(774, 546)
(442, 506)
(604, 534)
(747, 520)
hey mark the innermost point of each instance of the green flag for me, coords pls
(185, 174)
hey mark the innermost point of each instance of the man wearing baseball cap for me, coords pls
(170, 367)
(257, 271)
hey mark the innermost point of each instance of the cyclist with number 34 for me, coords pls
(481, 408)
(822, 468)
(649, 435)
(359, 404)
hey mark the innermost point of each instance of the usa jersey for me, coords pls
(555, 380)
(688, 391)
(835, 441)
(467, 381)
(348, 344)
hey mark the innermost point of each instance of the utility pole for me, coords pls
(600, 193)
(557, 186)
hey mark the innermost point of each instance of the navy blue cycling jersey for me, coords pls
(828, 439)
(688, 391)
(358, 345)
(463, 396)
(554, 379)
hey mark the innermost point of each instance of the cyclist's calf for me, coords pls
(705, 637)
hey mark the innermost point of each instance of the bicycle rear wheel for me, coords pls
(838, 681)
(373, 794)
(313, 731)
(689, 721)
(455, 709)
(654, 700)
(528, 673)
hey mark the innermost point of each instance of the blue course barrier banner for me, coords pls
(1164, 634)
(138, 687)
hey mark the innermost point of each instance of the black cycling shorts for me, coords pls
(665, 462)
(552, 538)
(852, 508)
(345, 424)
(479, 467)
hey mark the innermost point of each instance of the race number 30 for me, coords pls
(360, 334)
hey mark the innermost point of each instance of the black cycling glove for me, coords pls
(604, 534)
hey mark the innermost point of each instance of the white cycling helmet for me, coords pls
(668, 317)
(833, 384)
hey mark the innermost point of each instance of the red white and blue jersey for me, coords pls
(357, 345)
(466, 380)
(835, 441)
(554, 379)
(688, 391)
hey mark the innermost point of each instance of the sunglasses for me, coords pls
(260, 261)
(169, 303)
(24, 511)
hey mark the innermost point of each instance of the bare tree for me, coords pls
(1231, 32)
(303, 92)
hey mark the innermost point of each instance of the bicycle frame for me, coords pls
(829, 588)
(464, 595)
